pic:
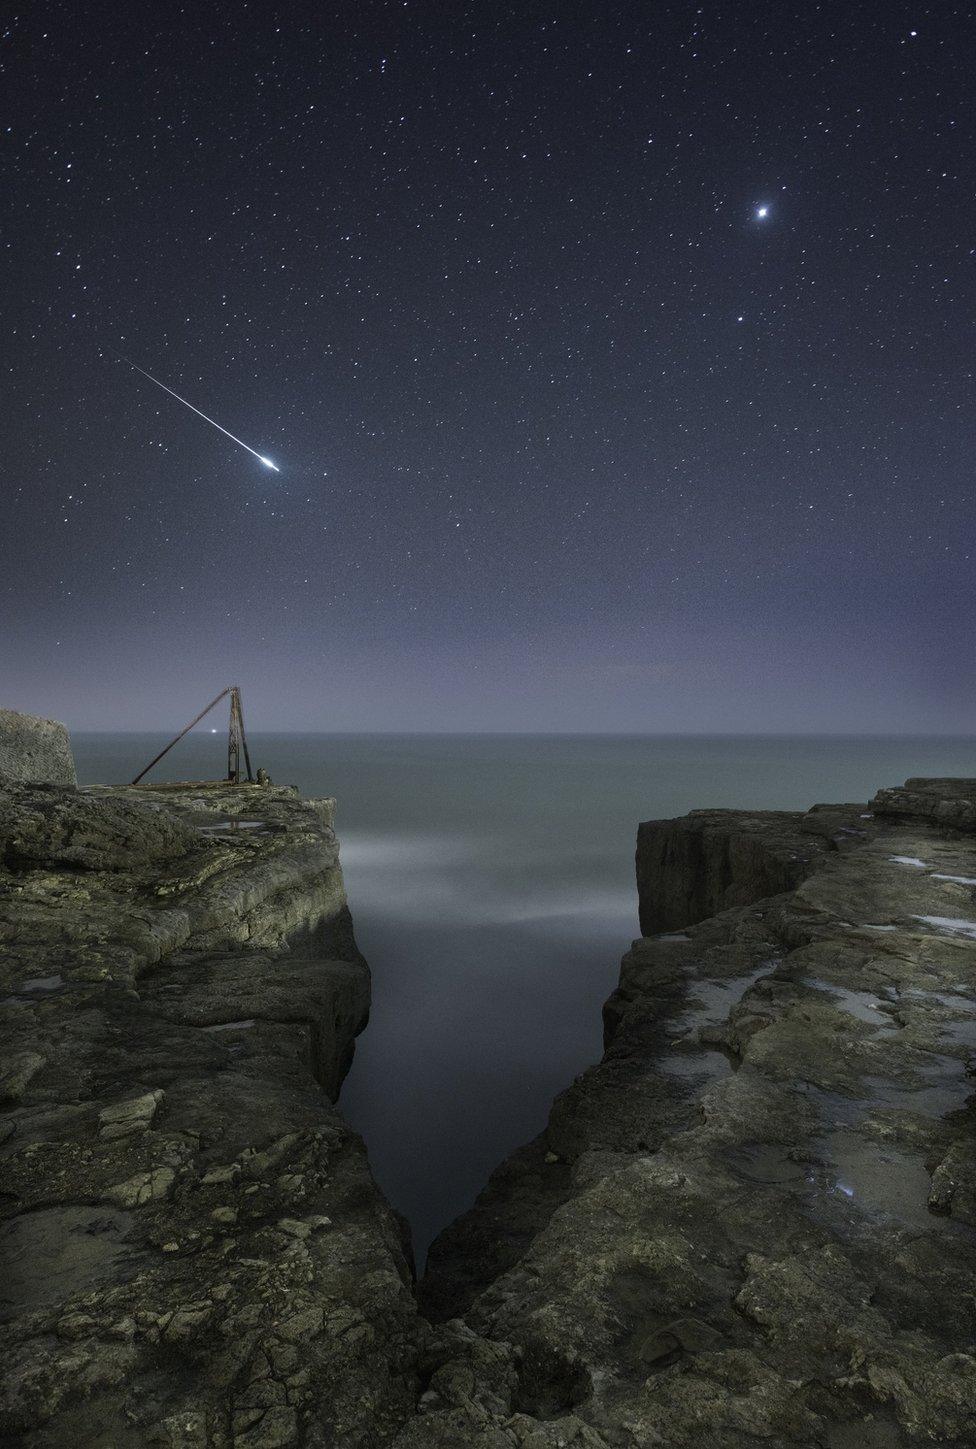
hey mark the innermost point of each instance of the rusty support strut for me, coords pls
(237, 740)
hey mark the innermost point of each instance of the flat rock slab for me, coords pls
(942, 802)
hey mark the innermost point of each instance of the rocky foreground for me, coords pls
(754, 1222)
(195, 1251)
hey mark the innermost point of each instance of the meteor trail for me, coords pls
(260, 456)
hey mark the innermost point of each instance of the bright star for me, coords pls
(762, 212)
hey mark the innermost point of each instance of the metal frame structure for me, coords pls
(236, 739)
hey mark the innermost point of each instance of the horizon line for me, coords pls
(565, 734)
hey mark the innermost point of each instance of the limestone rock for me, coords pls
(758, 1224)
(35, 749)
(135, 1114)
(145, 1187)
(15, 1073)
(62, 827)
(194, 1251)
(941, 802)
(751, 1222)
(714, 860)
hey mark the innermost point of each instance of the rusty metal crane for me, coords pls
(236, 739)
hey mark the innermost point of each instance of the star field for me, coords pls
(618, 360)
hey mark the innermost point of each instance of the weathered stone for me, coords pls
(182, 998)
(57, 827)
(16, 1072)
(716, 860)
(144, 1187)
(759, 1226)
(751, 1222)
(293, 1228)
(125, 1118)
(273, 1428)
(34, 749)
(301, 1326)
(942, 802)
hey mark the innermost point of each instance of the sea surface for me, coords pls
(491, 882)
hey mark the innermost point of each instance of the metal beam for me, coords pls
(176, 738)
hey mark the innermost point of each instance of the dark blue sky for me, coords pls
(617, 358)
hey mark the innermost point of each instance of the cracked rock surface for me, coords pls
(195, 1252)
(753, 1222)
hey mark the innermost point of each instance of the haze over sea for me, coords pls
(491, 882)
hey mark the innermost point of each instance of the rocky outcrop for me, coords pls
(34, 749)
(713, 860)
(195, 1251)
(753, 1222)
(760, 1220)
(942, 802)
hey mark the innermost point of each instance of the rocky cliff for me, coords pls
(753, 1222)
(195, 1250)
(714, 860)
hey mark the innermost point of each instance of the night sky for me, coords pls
(618, 360)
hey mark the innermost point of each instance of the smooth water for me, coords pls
(491, 884)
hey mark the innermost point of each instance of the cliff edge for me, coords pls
(754, 1221)
(195, 1252)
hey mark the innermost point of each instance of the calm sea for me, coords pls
(491, 883)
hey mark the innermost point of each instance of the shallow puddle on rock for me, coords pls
(941, 1088)
(864, 1005)
(54, 1254)
(767, 1163)
(837, 1110)
(43, 983)
(951, 925)
(696, 1065)
(848, 1172)
(961, 1029)
(959, 1033)
(945, 1087)
(714, 998)
(717, 996)
(956, 1000)
(881, 1181)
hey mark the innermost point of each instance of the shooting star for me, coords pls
(240, 442)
